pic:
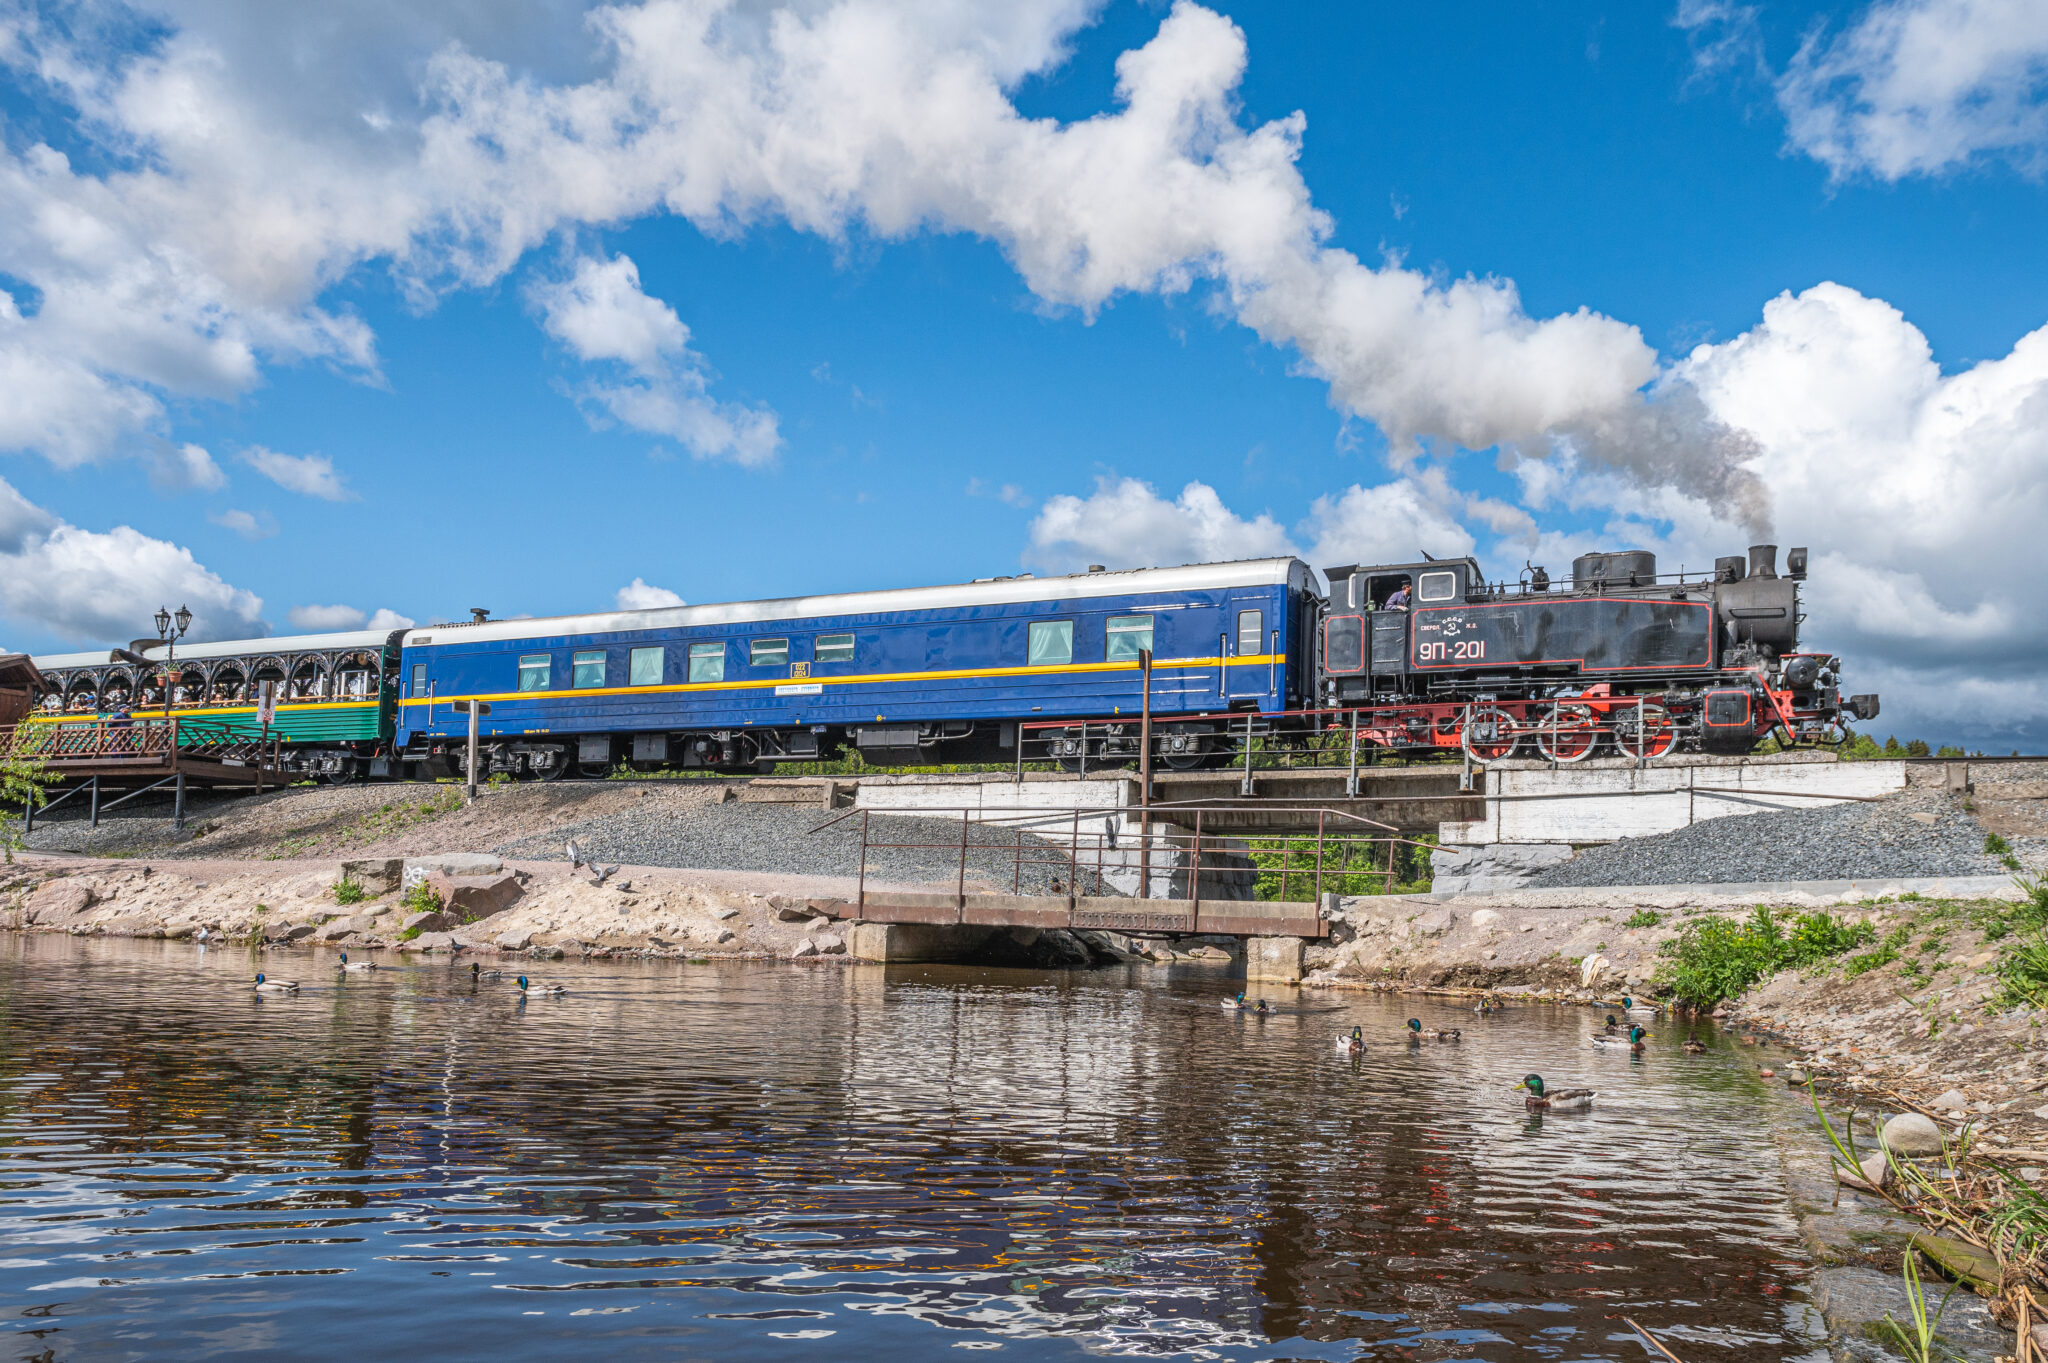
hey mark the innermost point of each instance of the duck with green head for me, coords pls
(1542, 1099)
(1632, 1043)
(1236, 1005)
(477, 973)
(1416, 1032)
(547, 990)
(1353, 1044)
(348, 967)
(265, 985)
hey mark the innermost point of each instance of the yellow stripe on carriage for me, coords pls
(958, 674)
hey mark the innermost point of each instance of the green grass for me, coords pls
(1718, 958)
(348, 891)
(1643, 918)
(421, 898)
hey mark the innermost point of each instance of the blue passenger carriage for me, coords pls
(910, 677)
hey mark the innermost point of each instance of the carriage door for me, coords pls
(1246, 672)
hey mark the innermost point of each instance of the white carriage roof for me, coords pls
(1259, 572)
(231, 648)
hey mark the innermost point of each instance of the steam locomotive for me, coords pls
(1408, 658)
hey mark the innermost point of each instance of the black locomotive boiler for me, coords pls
(1621, 658)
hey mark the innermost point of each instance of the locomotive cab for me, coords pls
(1365, 633)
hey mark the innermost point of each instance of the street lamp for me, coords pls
(170, 637)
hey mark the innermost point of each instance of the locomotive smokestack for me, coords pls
(1763, 560)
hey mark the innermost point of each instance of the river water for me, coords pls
(776, 1162)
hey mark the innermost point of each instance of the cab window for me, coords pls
(533, 672)
(587, 668)
(1051, 644)
(1251, 633)
(707, 662)
(768, 653)
(1438, 587)
(834, 648)
(1129, 635)
(643, 667)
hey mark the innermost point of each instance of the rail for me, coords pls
(1082, 858)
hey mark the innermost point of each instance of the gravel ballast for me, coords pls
(1910, 835)
(779, 838)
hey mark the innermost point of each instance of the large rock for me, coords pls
(468, 899)
(58, 900)
(517, 940)
(378, 875)
(450, 864)
(1909, 1133)
(1952, 1101)
(429, 921)
(1480, 868)
(429, 941)
(339, 928)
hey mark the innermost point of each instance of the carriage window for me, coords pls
(834, 648)
(1439, 586)
(1251, 633)
(587, 668)
(707, 662)
(533, 672)
(419, 679)
(643, 667)
(1128, 636)
(1052, 643)
(768, 653)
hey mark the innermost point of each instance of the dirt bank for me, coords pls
(1920, 1022)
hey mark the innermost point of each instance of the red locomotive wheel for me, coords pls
(1567, 733)
(1658, 735)
(1490, 734)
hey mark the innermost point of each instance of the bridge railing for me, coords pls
(142, 740)
(1127, 852)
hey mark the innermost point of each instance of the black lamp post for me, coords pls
(164, 621)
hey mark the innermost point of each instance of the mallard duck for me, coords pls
(1695, 1046)
(1612, 1027)
(1637, 1010)
(1353, 1044)
(1560, 1100)
(477, 972)
(1236, 1005)
(1633, 1042)
(1486, 1005)
(545, 989)
(1416, 1031)
(355, 967)
(269, 986)
(1262, 1010)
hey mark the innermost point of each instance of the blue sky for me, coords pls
(401, 365)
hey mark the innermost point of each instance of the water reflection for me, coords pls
(770, 1162)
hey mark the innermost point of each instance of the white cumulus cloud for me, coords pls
(1124, 523)
(330, 619)
(310, 475)
(600, 313)
(103, 586)
(248, 524)
(639, 595)
(1915, 87)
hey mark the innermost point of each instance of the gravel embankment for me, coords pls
(779, 838)
(1911, 835)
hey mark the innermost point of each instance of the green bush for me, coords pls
(1718, 958)
(347, 891)
(1643, 918)
(421, 898)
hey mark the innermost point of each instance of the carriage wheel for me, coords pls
(1490, 734)
(565, 762)
(1659, 735)
(1568, 733)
